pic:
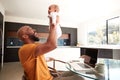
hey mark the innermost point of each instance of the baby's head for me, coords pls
(53, 8)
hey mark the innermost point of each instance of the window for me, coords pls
(113, 26)
(107, 32)
(97, 34)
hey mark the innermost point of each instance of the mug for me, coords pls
(100, 68)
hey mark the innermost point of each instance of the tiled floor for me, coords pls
(11, 71)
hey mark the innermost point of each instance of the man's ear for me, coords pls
(25, 36)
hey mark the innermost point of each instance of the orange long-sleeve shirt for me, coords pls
(34, 67)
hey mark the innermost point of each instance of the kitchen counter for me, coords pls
(104, 51)
(57, 47)
(101, 46)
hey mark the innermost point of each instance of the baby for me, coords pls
(53, 13)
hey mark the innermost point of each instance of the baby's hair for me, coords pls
(55, 6)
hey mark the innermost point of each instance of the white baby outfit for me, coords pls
(53, 15)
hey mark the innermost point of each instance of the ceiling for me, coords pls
(71, 11)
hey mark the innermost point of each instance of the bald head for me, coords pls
(27, 34)
(22, 31)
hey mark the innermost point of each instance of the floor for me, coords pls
(14, 71)
(11, 71)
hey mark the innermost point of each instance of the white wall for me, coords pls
(36, 21)
(2, 9)
(25, 20)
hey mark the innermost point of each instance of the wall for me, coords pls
(2, 9)
(25, 20)
(36, 21)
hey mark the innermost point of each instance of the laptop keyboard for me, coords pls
(83, 65)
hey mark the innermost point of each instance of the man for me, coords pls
(31, 54)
